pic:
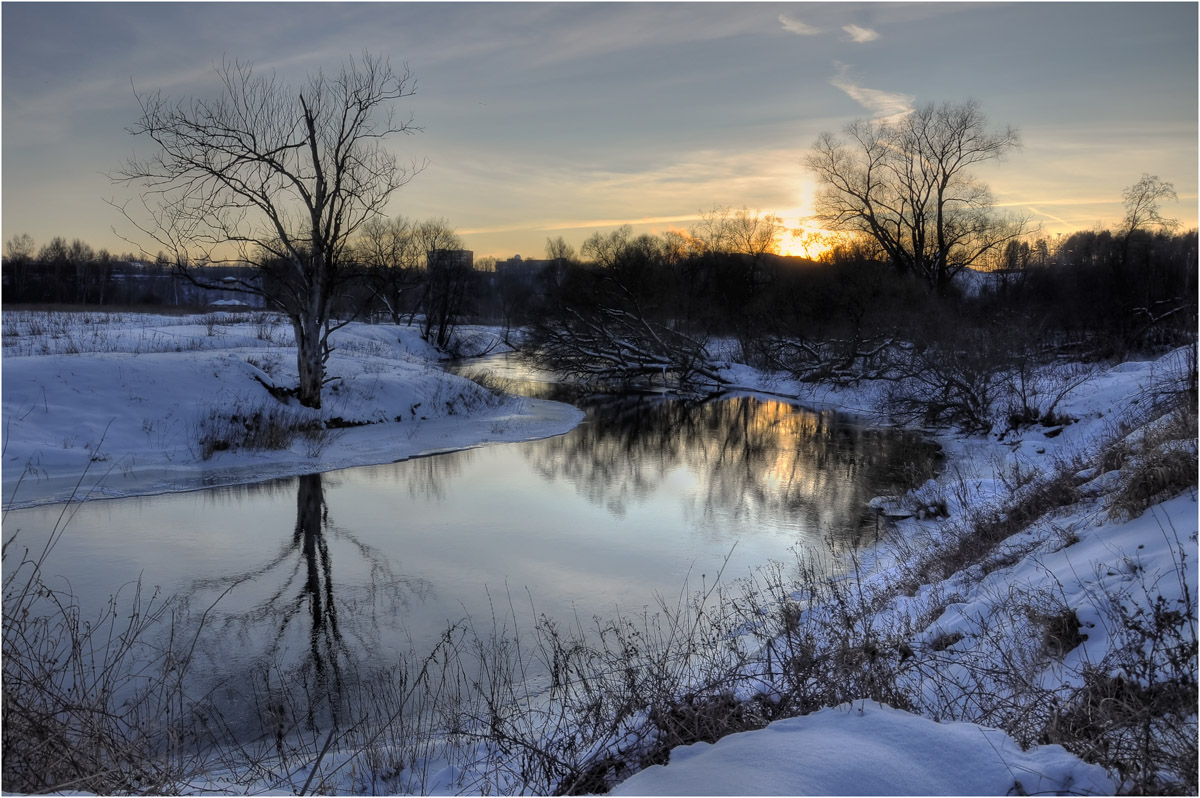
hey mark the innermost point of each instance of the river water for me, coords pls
(353, 569)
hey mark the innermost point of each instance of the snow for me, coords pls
(122, 400)
(116, 407)
(1080, 557)
(866, 748)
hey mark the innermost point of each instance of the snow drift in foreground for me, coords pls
(868, 749)
(107, 405)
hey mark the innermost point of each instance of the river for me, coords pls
(325, 576)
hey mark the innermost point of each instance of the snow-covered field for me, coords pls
(130, 406)
(102, 405)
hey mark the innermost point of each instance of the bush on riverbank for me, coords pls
(90, 704)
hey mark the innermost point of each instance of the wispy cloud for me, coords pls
(860, 35)
(886, 106)
(1058, 219)
(800, 28)
(1098, 200)
(670, 193)
(797, 27)
(579, 224)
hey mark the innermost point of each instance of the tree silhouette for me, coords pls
(277, 177)
(906, 185)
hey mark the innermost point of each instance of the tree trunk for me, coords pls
(310, 361)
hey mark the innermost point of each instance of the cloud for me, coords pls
(1058, 219)
(552, 225)
(669, 193)
(857, 34)
(860, 35)
(1098, 200)
(797, 27)
(886, 106)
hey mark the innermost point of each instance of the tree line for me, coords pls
(636, 302)
(1117, 289)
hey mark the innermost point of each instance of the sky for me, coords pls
(563, 119)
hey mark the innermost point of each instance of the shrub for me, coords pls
(264, 325)
(1157, 460)
(951, 379)
(1136, 710)
(90, 703)
(264, 426)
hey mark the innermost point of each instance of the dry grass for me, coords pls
(89, 704)
(1157, 461)
(267, 425)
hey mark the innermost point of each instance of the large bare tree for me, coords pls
(907, 185)
(278, 177)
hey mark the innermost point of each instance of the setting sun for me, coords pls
(805, 241)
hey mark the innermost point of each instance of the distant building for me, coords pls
(531, 271)
(450, 259)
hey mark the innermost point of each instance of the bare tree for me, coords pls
(725, 231)
(19, 247)
(558, 249)
(906, 185)
(448, 273)
(276, 177)
(434, 234)
(388, 250)
(613, 319)
(604, 249)
(677, 246)
(1142, 202)
(18, 266)
(618, 344)
(754, 234)
(1137, 275)
(741, 233)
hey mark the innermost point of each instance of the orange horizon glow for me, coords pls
(806, 241)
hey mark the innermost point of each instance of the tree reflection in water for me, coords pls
(429, 477)
(294, 637)
(747, 459)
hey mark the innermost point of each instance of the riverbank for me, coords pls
(100, 405)
(1043, 585)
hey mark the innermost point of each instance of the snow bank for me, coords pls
(105, 405)
(1078, 559)
(868, 749)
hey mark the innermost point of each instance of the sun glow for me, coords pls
(802, 237)
(805, 241)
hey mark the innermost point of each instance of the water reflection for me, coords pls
(300, 627)
(296, 590)
(747, 460)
